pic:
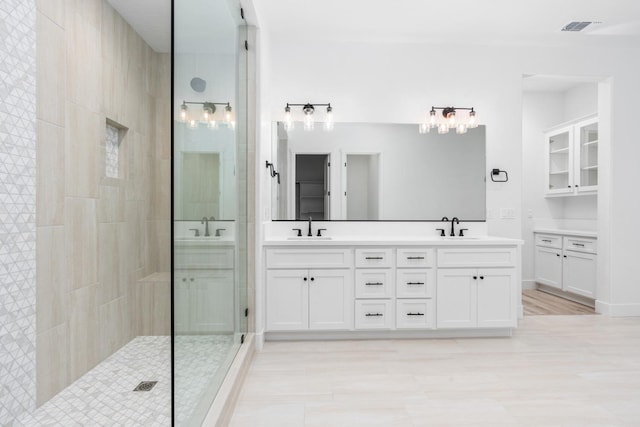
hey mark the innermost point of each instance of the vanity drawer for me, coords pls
(415, 283)
(415, 257)
(374, 314)
(204, 257)
(477, 257)
(374, 258)
(549, 241)
(415, 314)
(309, 258)
(374, 283)
(580, 244)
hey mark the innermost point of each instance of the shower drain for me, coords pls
(145, 386)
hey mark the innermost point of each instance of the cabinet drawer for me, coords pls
(474, 257)
(374, 258)
(549, 241)
(415, 283)
(374, 314)
(418, 257)
(580, 244)
(415, 314)
(309, 258)
(374, 283)
(204, 257)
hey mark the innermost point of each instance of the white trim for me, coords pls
(617, 310)
(529, 284)
(390, 334)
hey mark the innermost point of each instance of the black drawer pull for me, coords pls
(546, 240)
(415, 257)
(578, 244)
(374, 257)
(373, 314)
(415, 283)
(374, 284)
(415, 314)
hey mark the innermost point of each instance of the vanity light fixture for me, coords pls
(449, 120)
(308, 109)
(207, 116)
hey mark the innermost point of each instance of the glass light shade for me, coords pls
(212, 124)
(432, 119)
(461, 128)
(288, 121)
(451, 119)
(443, 128)
(228, 115)
(473, 120)
(183, 113)
(308, 122)
(423, 128)
(193, 124)
(206, 115)
(328, 124)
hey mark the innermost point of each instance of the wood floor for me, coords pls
(536, 302)
(554, 371)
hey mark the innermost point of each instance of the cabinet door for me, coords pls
(559, 161)
(496, 298)
(212, 300)
(181, 301)
(287, 300)
(456, 298)
(330, 299)
(586, 156)
(548, 266)
(579, 273)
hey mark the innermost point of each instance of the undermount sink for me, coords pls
(310, 238)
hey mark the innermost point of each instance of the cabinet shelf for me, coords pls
(589, 168)
(560, 151)
(559, 172)
(586, 144)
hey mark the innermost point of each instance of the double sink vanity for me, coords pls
(399, 284)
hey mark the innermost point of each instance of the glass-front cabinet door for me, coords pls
(587, 159)
(559, 154)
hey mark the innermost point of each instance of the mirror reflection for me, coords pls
(377, 171)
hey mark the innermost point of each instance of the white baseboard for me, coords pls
(617, 310)
(529, 284)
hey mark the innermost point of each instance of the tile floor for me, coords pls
(104, 396)
(554, 371)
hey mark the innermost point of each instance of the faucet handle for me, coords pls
(196, 232)
(299, 230)
(441, 230)
(320, 230)
(462, 230)
(218, 230)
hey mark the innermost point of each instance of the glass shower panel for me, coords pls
(209, 206)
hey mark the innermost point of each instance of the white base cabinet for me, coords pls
(567, 263)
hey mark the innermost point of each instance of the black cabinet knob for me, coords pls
(305, 279)
(481, 277)
(565, 256)
(312, 279)
(557, 254)
(475, 277)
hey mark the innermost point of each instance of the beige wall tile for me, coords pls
(53, 9)
(153, 303)
(50, 181)
(50, 70)
(81, 242)
(51, 278)
(162, 190)
(111, 203)
(82, 332)
(114, 322)
(109, 270)
(51, 363)
(84, 133)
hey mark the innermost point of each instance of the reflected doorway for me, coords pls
(312, 186)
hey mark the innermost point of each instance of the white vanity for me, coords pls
(386, 287)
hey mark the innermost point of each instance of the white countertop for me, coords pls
(580, 233)
(390, 240)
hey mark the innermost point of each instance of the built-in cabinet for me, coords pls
(571, 155)
(364, 288)
(204, 287)
(567, 263)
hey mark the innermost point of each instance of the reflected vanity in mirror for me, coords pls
(378, 171)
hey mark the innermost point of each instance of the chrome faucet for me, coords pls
(457, 221)
(309, 233)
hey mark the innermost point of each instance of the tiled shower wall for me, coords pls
(98, 233)
(17, 207)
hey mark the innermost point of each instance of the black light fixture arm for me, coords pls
(273, 172)
(313, 104)
(447, 110)
(227, 104)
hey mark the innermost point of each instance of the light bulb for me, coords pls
(432, 118)
(288, 123)
(206, 114)
(423, 128)
(328, 124)
(473, 120)
(461, 128)
(193, 124)
(228, 116)
(212, 124)
(451, 119)
(443, 128)
(308, 116)
(183, 113)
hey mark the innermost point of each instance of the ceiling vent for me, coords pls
(576, 26)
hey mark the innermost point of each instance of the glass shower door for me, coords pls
(209, 270)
